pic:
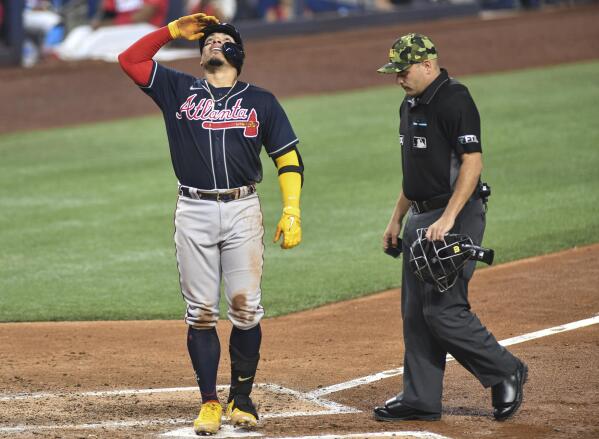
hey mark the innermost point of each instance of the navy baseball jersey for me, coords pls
(216, 134)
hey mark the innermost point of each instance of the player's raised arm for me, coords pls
(136, 61)
(290, 180)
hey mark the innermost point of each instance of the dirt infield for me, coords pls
(310, 351)
(91, 379)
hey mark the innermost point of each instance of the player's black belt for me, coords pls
(226, 196)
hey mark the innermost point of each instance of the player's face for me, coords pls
(213, 48)
(415, 78)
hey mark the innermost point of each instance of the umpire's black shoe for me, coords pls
(395, 410)
(507, 395)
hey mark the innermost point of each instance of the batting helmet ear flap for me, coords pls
(235, 55)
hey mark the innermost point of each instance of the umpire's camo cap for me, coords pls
(407, 50)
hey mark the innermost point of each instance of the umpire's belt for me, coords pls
(224, 196)
(432, 204)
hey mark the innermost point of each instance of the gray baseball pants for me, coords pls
(437, 323)
(216, 240)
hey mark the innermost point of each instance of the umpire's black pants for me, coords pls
(437, 323)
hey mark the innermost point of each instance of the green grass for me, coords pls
(86, 213)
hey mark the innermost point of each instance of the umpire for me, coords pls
(441, 153)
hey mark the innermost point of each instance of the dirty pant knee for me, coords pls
(201, 316)
(245, 317)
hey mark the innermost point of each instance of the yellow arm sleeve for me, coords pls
(290, 183)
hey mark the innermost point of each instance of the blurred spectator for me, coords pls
(383, 5)
(275, 10)
(116, 12)
(341, 7)
(283, 10)
(40, 17)
(2, 35)
(116, 25)
(530, 4)
(346, 7)
(92, 7)
(224, 10)
(246, 10)
(78, 12)
(402, 2)
(43, 29)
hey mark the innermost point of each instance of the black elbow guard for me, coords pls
(299, 169)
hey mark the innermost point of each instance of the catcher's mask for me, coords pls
(439, 263)
(233, 51)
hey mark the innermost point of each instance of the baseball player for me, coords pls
(216, 127)
(441, 153)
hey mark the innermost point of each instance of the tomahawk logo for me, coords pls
(250, 125)
(212, 119)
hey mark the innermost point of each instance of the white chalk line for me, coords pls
(507, 342)
(100, 393)
(313, 396)
(105, 424)
(338, 408)
(227, 431)
(330, 406)
(418, 434)
(334, 407)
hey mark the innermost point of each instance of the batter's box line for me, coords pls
(228, 431)
(93, 426)
(331, 407)
(507, 342)
(409, 434)
(96, 393)
(275, 388)
(313, 396)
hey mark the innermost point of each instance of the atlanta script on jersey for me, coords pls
(216, 134)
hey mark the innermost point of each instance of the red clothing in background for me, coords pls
(124, 10)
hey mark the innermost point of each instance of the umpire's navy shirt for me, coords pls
(435, 129)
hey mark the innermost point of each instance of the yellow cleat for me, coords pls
(209, 419)
(241, 412)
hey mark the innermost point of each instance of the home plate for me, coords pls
(225, 431)
(274, 401)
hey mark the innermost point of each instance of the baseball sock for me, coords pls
(244, 347)
(204, 350)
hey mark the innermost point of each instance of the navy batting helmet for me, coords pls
(233, 51)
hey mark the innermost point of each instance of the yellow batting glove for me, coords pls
(290, 227)
(190, 26)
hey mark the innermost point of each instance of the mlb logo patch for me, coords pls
(419, 142)
(401, 140)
